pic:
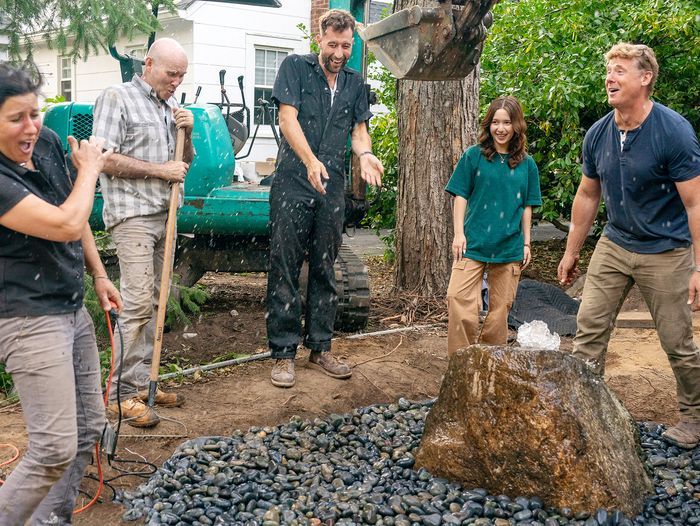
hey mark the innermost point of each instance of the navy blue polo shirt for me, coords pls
(301, 83)
(645, 211)
(38, 277)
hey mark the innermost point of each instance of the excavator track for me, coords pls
(351, 277)
(352, 286)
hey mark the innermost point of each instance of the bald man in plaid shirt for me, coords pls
(139, 120)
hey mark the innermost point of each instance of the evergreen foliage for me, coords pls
(75, 27)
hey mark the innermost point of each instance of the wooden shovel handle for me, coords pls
(166, 274)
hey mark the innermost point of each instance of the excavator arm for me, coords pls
(438, 42)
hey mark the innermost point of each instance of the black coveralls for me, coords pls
(301, 219)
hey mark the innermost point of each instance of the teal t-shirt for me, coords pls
(496, 197)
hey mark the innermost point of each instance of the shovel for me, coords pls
(166, 273)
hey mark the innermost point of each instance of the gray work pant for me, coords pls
(55, 367)
(140, 245)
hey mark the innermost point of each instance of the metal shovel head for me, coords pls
(238, 132)
(421, 43)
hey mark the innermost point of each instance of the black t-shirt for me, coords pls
(301, 83)
(38, 277)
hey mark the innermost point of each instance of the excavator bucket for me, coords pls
(443, 42)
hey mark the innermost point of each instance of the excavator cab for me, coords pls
(442, 42)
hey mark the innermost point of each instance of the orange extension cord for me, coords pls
(97, 446)
(8, 462)
(106, 398)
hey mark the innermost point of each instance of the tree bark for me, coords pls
(437, 121)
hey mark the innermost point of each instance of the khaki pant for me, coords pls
(464, 299)
(663, 281)
(140, 245)
(55, 367)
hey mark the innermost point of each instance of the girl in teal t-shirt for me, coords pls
(495, 185)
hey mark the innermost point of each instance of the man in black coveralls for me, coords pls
(320, 103)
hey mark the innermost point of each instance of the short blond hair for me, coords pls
(643, 56)
(338, 20)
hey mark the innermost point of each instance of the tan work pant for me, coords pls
(464, 298)
(140, 245)
(663, 281)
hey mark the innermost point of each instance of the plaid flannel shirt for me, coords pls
(136, 123)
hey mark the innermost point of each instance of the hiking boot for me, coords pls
(135, 413)
(283, 373)
(163, 399)
(683, 434)
(329, 365)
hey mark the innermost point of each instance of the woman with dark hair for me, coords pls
(47, 340)
(495, 185)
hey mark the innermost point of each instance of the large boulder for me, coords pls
(534, 423)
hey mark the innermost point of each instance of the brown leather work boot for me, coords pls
(283, 373)
(329, 365)
(163, 399)
(135, 413)
(683, 434)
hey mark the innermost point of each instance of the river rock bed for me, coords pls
(356, 468)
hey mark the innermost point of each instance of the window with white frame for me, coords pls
(137, 51)
(65, 77)
(267, 62)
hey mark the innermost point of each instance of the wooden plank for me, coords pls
(634, 320)
(642, 320)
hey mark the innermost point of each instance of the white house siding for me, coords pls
(215, 36)
(226, 36)
(4, 43)
(4, 38)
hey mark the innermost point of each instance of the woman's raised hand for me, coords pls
(88, 155)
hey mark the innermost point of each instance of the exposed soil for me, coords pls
(408, 364)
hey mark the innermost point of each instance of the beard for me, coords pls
(326, 60)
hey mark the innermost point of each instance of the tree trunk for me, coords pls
(437, 121)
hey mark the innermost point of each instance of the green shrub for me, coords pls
(94, 308)
(385, 140)
(191, 300)
(5, 381)
(306, 35)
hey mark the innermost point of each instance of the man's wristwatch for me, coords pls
(368, 152)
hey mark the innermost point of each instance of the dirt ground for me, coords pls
(408, 364)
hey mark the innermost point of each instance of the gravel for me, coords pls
(356, 468)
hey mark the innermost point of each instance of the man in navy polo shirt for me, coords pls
(321, 103)
(644, 159)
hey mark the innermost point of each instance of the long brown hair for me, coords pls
(517, 148)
